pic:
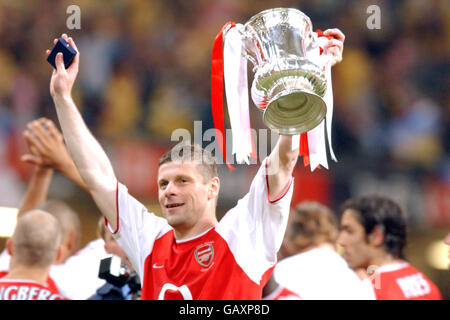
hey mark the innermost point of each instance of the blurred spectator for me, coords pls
(122, 110)
(33, 247)
(312, 268)
(373, 236)
(145, 64)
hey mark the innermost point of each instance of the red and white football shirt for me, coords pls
(309, 275)
(403, 282)
(77, 278)
(12, 289)
(50, 284)
(232, 260)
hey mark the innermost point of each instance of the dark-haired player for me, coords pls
(373, 235)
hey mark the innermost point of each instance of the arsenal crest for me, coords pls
(204, 254)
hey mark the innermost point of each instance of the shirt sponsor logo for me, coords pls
(204, 254)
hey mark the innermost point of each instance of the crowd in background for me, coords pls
(145, 72)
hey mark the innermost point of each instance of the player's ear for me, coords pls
(214, 186)
(376, 237)
(59, 254)
(9, 246)
(72, 242)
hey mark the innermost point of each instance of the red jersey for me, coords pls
(12, 289)
(232, 260)
(50, 284)
(403, 282)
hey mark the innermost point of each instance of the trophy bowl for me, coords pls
(287, 86)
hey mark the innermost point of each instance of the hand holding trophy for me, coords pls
(292, 78)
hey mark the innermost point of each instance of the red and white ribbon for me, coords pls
(313, 142)
(236, 89)
(217, 91)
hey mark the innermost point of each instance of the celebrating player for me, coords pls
(373, 235)
(310, 249)
(33, 247)
(187, 254)
(75, 272)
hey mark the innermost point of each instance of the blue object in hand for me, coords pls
(67, 50)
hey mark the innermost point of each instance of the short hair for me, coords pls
(67, 217)
(187, 152)
(381, 211)
(36, 239)
(312, 224)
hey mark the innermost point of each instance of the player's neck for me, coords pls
(382, 258)
(28, 273)
(199, 228)
(320, 246)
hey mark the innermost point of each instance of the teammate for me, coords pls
(75, 272)
(33, 247)
(373, 235)
(311, 267)
(187, 254)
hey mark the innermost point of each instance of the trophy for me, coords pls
(291, 83)
(287, 85)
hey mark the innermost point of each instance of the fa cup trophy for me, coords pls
(291, 73)
(287, 86)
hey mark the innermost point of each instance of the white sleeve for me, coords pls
(255, 227)
(137, 228)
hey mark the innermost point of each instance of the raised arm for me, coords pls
(280, 165)
(37, 189)
(89, 157)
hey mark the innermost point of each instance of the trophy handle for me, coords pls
(251, 59)
(311, 40)
(247, 42)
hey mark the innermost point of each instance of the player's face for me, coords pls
(352, 238)
(183, 194)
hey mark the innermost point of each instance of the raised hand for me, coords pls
(63, 79)
(335, 46)
(46, 144)
(48, 150)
